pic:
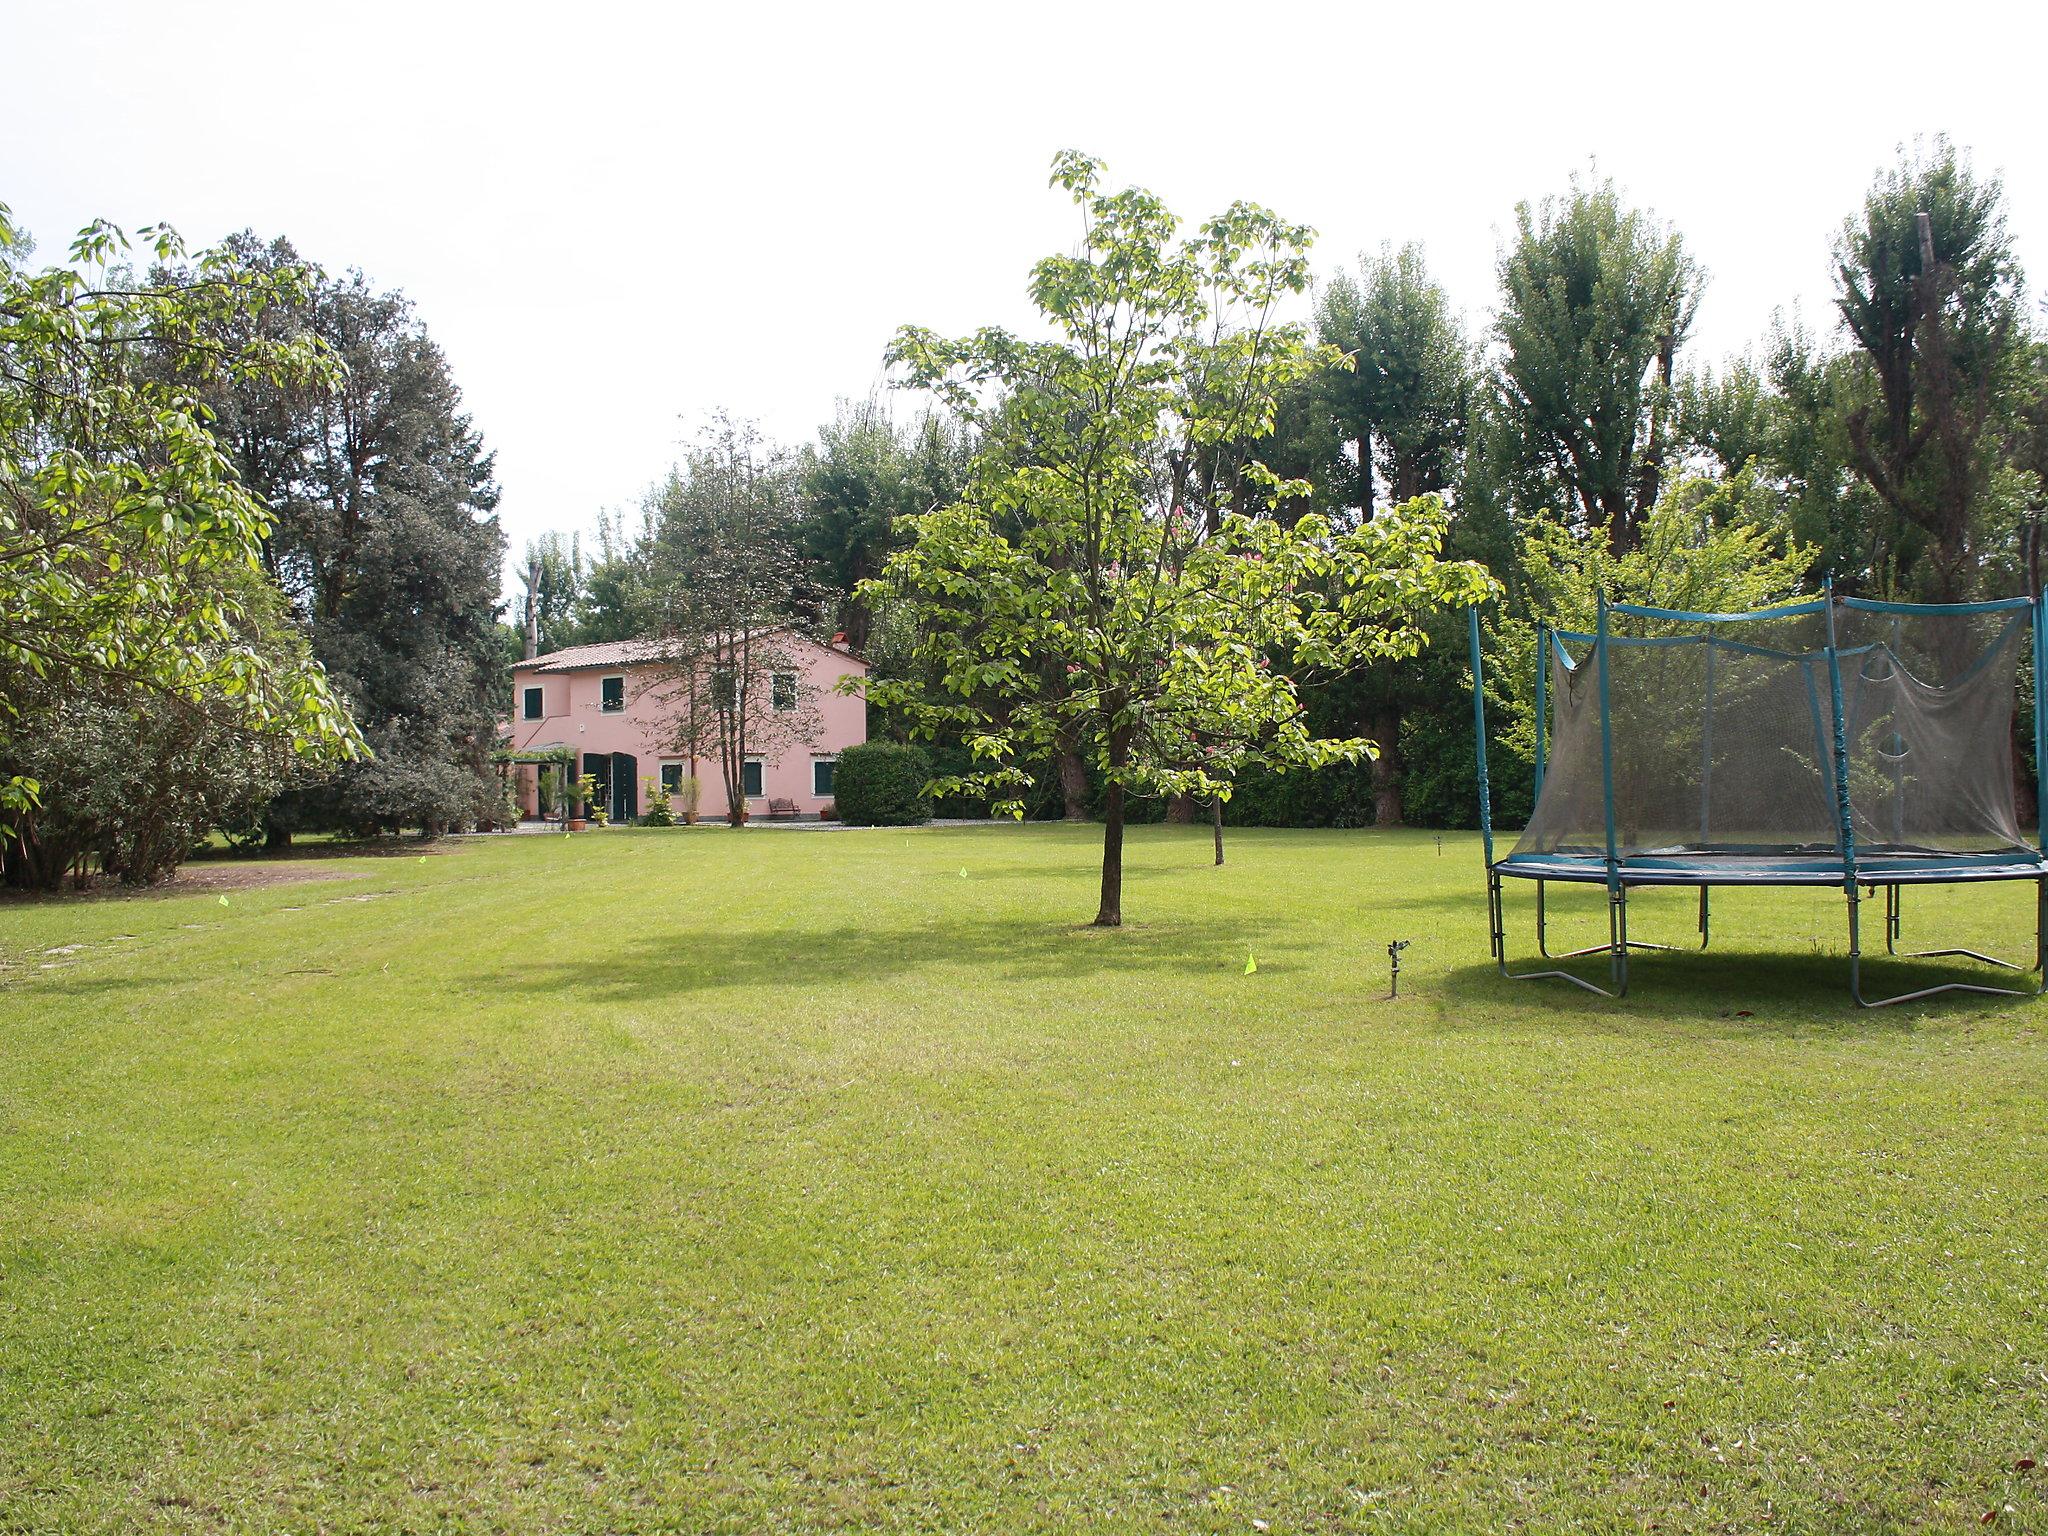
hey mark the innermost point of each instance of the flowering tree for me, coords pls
(1108, 583)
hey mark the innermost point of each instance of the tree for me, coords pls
(1595, 301)
(1709, 546)
(1929, 289)
(125, 536)
(380, 495)
(130, 778)
(1098, 582)
(1403, 401)
(864, 475)
(1403, 404)
(731, 588)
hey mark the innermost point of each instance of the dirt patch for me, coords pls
(194, 879)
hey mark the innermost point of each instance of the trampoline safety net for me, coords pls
(1719, 732)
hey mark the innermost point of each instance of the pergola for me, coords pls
(540, 759)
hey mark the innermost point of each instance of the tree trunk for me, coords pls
(1074, 786)
(1110, 913)
(1387, 768)
(1216, 823)
(1365, 508)
(1180, 810)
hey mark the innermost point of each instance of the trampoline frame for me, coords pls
(1858, 878)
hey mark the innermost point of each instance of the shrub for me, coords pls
(881, 784)
(661, 811)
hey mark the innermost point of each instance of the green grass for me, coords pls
(711, 1181)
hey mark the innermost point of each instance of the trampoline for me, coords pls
(1832, 742)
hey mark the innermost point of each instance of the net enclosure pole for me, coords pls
(1617, 893)
(1606, 741)
(1479, 738)
(1542, 696)
(2040, 722)
(1845, 825)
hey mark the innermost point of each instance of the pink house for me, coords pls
(616, 706)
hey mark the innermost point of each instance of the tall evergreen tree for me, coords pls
(381, 496)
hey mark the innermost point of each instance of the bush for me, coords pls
(661, 810)
(881, 784)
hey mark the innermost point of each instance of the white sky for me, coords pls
(617, 217)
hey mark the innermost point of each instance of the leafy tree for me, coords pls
(1929, 292)
(732, 586)
(1710, 546)
(380, 496)
(864, 475)
(1098, 582)
(551, 582)
(125, 536)
(1596, 299)
(131, 778)
(1403, 402)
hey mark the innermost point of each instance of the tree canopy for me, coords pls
(1105, 583)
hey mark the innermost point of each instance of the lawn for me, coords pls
(824, 1181)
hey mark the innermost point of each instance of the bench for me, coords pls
(782, 810)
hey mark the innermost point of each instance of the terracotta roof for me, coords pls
(620, 653)
(611, 653)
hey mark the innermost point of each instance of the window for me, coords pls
(724, 691)
(750, 778)
(530, 703)
(614, 694)
(671, 777)
(784, 691)
(821, 774)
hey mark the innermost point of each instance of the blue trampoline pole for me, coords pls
(1845, 828)
(2040, 722)
(1542, 696)
(1479, 739)
(1617, 893)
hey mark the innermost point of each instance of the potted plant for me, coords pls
(580, 795)
(686, 795)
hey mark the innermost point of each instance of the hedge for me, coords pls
(881, 784)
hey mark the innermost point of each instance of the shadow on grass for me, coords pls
(651, 967)
(1732, 990)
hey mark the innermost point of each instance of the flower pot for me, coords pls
(577, 823)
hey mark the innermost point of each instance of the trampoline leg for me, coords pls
(1617, 931)
(1704, 930)
(1543, 936)
(1891, 918)
(1497, 920)
(1891, 910)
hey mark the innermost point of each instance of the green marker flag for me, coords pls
(1251, 965)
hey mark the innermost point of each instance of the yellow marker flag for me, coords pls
(223, 901)
(1251, 965)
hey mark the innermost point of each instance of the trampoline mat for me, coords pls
(1877, 866)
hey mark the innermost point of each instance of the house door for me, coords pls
(625, 798)
(598, 765)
